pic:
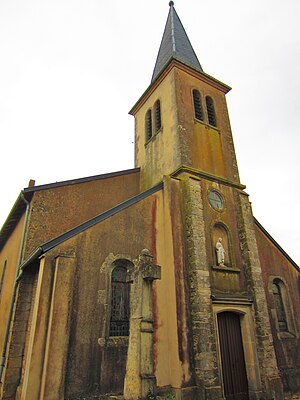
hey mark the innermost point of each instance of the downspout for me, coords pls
(16, 284)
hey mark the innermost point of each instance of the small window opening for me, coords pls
(120, 309)
(212, 120)
(157, 116)
(197, 105)
(281, 315)
(148, 125)
(3, 275)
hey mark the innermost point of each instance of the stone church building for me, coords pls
(154, 281)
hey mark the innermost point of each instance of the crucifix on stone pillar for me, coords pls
(140, 378)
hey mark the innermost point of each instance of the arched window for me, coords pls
(197, 105)
(280, 310)
(212, 120)
(120, 310)
(157, 116)
(148, 125)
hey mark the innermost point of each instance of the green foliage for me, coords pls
(169, 396)
(150, 395)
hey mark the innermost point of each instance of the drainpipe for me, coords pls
(16, 284)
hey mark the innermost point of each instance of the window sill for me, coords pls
(286, 335)
(154, 136)
(114, 341)
(226, 269)
(198, 121)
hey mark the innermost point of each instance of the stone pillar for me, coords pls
(56, 349)
(140, 378)
(271, 382)
(17, 339)
(38, 333)
(202, 324)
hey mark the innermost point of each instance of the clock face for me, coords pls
(215, 200)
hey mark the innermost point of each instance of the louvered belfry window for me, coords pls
(148, 125)
(157, 116)
(281, 316)
(120, 310)
(197, 105)
(211, 113)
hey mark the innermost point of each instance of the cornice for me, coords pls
(174, 63)
(183, 169)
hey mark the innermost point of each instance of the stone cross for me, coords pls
(140, 379)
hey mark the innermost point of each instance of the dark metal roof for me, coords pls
(175, 44)
(88, 224)
(20, 206)
(81, 180)
(13, 218)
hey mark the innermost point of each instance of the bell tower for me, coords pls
(182, 133)
(182, 118)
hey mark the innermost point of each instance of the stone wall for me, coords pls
(203, 332)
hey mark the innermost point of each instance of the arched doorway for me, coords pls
(232, 356)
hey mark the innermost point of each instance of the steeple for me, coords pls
(181, 120)
(175, 44)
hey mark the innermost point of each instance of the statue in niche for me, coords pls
(220, 253)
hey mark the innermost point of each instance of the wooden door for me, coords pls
(232, 356)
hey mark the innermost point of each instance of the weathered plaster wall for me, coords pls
(9, 253)
(98, 365)
(183, 140)
(54, 211)
(161, 154)
(203, 146)
(173, 345)
(287, 344)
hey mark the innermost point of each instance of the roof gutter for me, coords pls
(37, 252)
(16, 284)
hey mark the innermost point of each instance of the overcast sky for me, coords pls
(70, 71)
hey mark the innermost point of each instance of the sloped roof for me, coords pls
(175, 44)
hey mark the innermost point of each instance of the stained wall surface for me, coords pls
(8, 265)
(203, 146)
(161, 154)
(54, 211)
(287, 344)
(95, 361)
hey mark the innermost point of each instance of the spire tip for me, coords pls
(171, 3)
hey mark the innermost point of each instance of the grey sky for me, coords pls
(71, 70)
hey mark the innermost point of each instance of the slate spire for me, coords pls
(175, 44)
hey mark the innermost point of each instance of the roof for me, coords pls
(175, 44)
(13, 218)
(26, 195)
(81, 180)
(88, 224)
(266, 233)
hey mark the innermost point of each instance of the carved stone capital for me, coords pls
(150, 272)
(145, 258)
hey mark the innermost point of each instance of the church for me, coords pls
(153, 282)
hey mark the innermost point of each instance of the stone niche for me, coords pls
(225, 275)
(220, 235)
